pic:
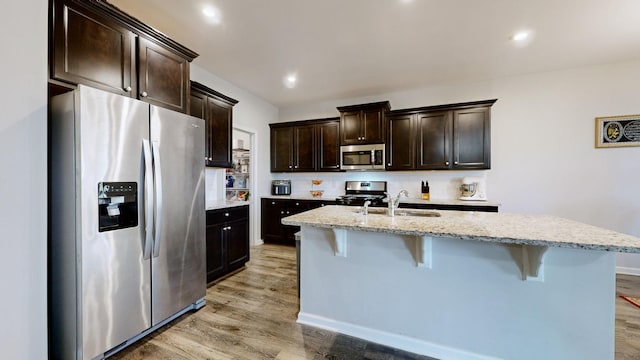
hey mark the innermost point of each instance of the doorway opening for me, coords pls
(244, 179)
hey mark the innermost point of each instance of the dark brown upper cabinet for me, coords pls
(471, 138)
(443, 137)
(363, 124)
(400, 148)
(163, 76)
(293, 147)
(433, 140)
(94, 43)
(281, 148)
(93, 50)
(328, 145)
(306, 146)
(217, 111)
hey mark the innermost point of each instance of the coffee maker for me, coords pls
(473, 188)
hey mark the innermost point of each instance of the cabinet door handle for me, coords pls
(127, 89)
(296, 166)
(281, 212)
(388, 164)
(337, 166)
(446, 163)
(455, 163)
(226, 214)
(273, 203)
(144, 94)
(297, 204)
(290, 166)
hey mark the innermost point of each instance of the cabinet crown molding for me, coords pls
(205, 89)
(432, 108)
(374, 105)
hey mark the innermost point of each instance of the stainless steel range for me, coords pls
(357, 192)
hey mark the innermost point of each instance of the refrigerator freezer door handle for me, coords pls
(158, 179)
(148, 199)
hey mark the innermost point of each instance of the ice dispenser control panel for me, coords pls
(117, 205)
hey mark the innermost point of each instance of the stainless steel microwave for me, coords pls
(362, 157)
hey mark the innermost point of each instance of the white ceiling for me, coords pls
(353, 48)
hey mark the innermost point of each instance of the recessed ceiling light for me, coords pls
(212, 14)
(520, 36)
(290, 81)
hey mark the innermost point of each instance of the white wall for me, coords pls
(543, 155)
(23, 180)
(251, 114)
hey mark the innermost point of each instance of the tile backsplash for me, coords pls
(442, 184)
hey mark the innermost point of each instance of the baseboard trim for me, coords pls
(627, 270)
(389, 339)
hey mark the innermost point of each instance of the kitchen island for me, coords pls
(462, 285)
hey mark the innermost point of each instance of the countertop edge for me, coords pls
(569, 245)
(516, 229)
(215, 205)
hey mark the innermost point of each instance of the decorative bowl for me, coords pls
(316, 182)
(316, 193)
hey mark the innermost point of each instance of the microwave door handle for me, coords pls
(148, 199)
(373, 158)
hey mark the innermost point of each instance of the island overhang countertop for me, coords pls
(540, 230)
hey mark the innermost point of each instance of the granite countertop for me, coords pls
(326, 197)
(542, 230)
(221, 204)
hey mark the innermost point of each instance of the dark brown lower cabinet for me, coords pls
(273, 210)
(481, 208)
(227, 240)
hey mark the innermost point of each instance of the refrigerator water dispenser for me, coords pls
(117, 205)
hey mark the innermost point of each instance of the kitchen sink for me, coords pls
(420, 213)
(402, 212)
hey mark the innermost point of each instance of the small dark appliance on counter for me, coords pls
(357, 192)
(281, 187)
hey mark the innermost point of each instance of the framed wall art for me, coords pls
(618, 131)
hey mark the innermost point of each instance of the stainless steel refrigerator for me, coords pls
(127, 221)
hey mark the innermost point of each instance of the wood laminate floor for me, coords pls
(252, 315)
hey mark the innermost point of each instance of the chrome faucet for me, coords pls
(392, 203)
(365, 207)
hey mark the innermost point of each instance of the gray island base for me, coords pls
(462, 285)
